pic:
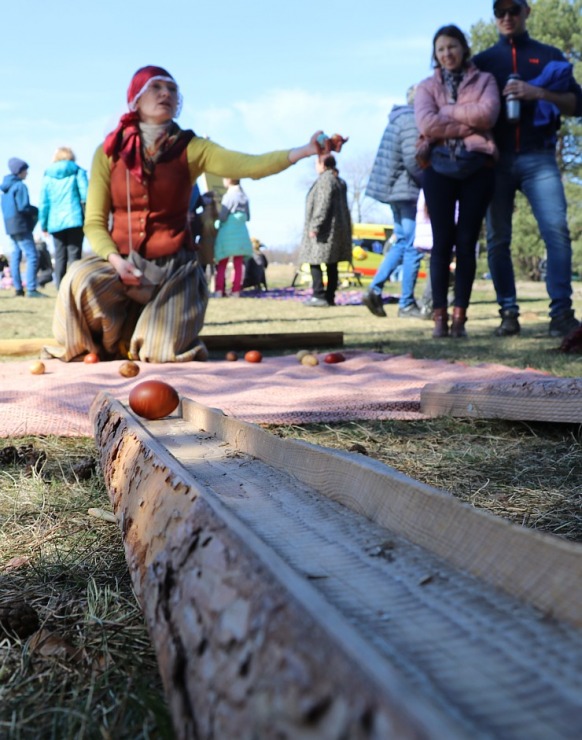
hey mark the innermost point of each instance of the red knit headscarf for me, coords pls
(124, 142)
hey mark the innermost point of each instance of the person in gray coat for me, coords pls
(395, 180)
(327, 234)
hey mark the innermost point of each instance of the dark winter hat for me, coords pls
(523, 3)
(16, 165)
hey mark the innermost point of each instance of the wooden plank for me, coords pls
(17, 347)
(546, 399)
(277, 611)
(292, 340)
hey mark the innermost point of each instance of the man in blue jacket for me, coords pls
(528, 162)
(19, 217)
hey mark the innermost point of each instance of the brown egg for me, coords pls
(333, 357)
(301, 354)
(153, 399)
(231, 356)
(129, 369)
(37, 367)
(310, 360)
(253, 355)
(91, 358)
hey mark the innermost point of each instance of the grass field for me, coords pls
(99, 679)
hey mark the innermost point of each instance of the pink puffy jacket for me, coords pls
(471, 118)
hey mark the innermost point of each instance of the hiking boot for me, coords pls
(412, 311)
(316, 302)
(509, 326)
(563, 324)
(373, 303)
(35, 294)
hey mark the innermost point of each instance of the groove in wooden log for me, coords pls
(542, 570)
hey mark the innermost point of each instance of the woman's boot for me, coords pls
(458, 325)
(441, 323)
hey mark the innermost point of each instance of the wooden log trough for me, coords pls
(292, 591)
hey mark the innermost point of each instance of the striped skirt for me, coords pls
(94, 314)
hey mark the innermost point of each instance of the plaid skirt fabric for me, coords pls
(94, 314)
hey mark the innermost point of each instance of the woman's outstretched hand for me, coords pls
(308, 150)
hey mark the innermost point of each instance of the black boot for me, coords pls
(509, 324)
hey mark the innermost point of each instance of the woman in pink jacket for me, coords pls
(455, 110)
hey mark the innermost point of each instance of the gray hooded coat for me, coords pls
(396, 174)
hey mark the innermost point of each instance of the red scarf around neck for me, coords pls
(125, 143)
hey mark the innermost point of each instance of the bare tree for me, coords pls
(356, 172)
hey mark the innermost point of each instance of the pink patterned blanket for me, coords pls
(279, 390)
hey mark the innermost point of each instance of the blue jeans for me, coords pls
(402, 252)
(536, 174)
(24, 244)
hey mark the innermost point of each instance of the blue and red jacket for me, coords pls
(526, 57)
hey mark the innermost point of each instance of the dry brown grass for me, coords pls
(89, 671)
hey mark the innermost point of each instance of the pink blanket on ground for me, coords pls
(277, 391)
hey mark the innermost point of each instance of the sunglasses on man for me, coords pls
(513, 11)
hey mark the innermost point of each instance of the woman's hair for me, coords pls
(63, 152)
(329, 162)
(455, 33)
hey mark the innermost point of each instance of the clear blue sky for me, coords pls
(255, 76)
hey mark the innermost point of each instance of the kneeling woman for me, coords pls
(143, 294)
(455, 110)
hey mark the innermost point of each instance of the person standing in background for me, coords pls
(19, 220)
(395, 180)
(233, 240)
(63, 194)
(543, 88)
(456, 109)
(327, 233)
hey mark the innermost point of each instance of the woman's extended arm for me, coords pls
(206, 156)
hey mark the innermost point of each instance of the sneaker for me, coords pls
(412, 311)
(509, 326)
(373, 303)
(316, 302)
(35, 294)
(563, 324)
(19, 293)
